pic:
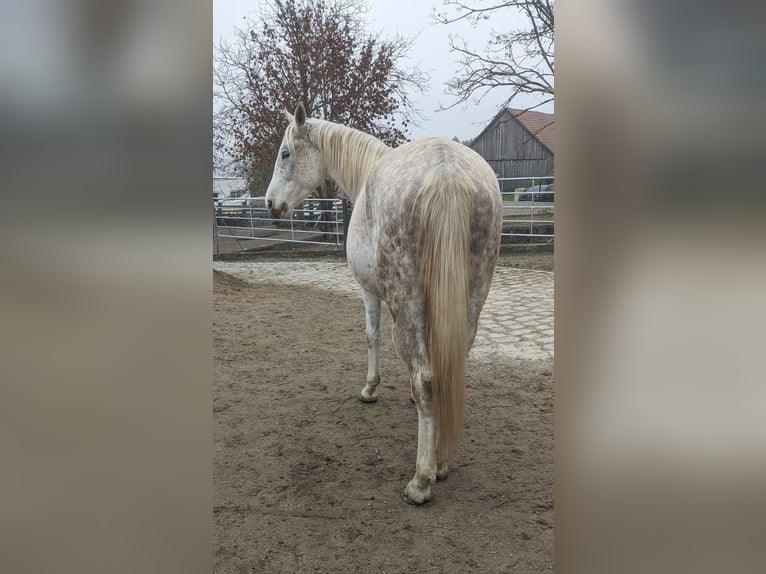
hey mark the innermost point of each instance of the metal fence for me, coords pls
(245, 223)
(527, 208)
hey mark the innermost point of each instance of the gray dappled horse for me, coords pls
(423, 237)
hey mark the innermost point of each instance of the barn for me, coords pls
(518, 143)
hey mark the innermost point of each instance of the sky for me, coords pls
(430, 52)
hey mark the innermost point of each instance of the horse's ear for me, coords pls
(300, 115)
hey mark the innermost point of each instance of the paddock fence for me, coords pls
(244, 224)
(528, 214)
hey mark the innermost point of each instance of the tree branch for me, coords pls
(521, 61)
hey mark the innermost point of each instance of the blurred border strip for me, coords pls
(660, 276)
(105, 244)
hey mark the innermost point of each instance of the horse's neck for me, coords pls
(349, 155)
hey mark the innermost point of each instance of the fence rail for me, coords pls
(245, 223)
(528, 207)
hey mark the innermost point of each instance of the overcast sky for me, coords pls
(430, 51)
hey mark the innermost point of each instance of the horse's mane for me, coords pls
(349, 153)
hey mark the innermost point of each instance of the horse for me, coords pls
(424, 237)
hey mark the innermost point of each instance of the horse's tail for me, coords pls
(444, 244)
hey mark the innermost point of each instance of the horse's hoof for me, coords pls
(367, 399)
(407, 499)
(416, 497)
(442, 473)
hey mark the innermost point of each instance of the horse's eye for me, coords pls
(285, 154)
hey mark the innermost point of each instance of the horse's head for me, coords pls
(299, 169)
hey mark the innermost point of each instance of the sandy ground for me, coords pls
(308, 479)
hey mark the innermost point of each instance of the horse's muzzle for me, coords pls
(275, 212)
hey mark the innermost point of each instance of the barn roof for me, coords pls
(538, 124)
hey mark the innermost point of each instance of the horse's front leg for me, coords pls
(372, 320)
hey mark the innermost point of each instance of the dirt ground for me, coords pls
(308, 479)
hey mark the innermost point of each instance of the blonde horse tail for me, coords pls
(445, 244)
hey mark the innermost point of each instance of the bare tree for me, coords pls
(516, 61)
(316, 52)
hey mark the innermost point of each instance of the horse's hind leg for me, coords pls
(442, 469)
(475, 304)
(418, 490)
(409, 342)
(369, 393)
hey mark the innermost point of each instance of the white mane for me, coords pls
(349, 154)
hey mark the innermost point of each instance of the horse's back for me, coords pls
(404, 170)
